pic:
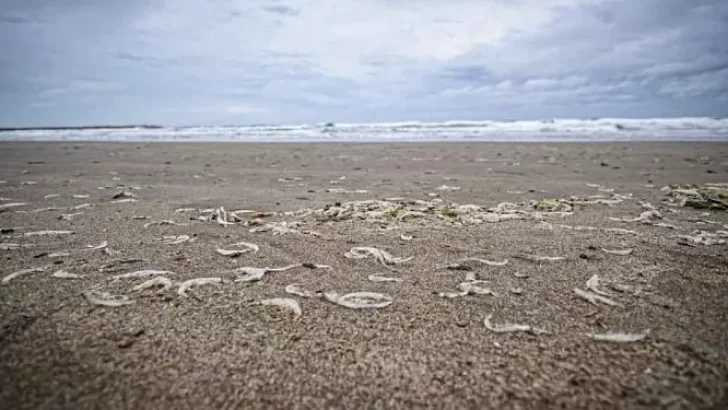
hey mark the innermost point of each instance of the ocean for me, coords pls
(556, 130)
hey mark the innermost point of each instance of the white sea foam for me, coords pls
(603, 129)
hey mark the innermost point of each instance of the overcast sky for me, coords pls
(72, 62)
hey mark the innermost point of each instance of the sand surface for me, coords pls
(217, 348)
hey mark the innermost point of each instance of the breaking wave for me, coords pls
(563, 130)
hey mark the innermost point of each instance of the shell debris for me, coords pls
(594, 298)
(295, 289)
(102, 245)
(99, 298)
(22, 272)
(381, 256)
(13, 246)
(593, 285)
(249, 274)
(47, 233)
(68, 217)
(62, 274)
(360, 300)
(4, 207)
(701, 238)
(620, 252)
(532, 258)
(510, 327)
(145, 273)
(160, 281)
(285, 303)
(176, 239)
(617, 337)
(160, 223)
(192, 283)
(378, 278)
(242, 248)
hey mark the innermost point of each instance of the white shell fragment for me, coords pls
(254, 274)
(282, 228)
(102, 245)
(47, 209)
(82, 206)
(621, 231)
(58, 254)
(474, 288)
(509, 327)
(68, 217)
(487, 262)
(288, 267)
(285, 303)
(188, 284)
(360, 300)
(14, 275)
(13, 246)
(377, 278)
(221, 216)
(47, 233)
(241, 248)
(160, 281)
(62, 274)
(162, 222)
(594, 298)
(593, 285)
(315, 266)
(106, 299)
(469, 287)
(295, 289)
(619, 337)
(451, 295)
(701, 238)
(620, 252)
(646, 217)
(647, 206)
(123, 194)
(142, 274)
(346, 191)
(176, 240)
(184, 210)
(381, 256)
(12, 205)
(110, 252)
(249, 274)
(532, 258)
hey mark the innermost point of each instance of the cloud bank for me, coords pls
(185, 62)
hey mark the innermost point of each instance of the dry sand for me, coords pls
(217, 349)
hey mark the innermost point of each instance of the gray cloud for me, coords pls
(251, 61)
(281, 9)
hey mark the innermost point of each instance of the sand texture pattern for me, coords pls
(175, 276)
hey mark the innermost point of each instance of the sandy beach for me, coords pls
(650, 332)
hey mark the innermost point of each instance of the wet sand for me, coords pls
(218, 349)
